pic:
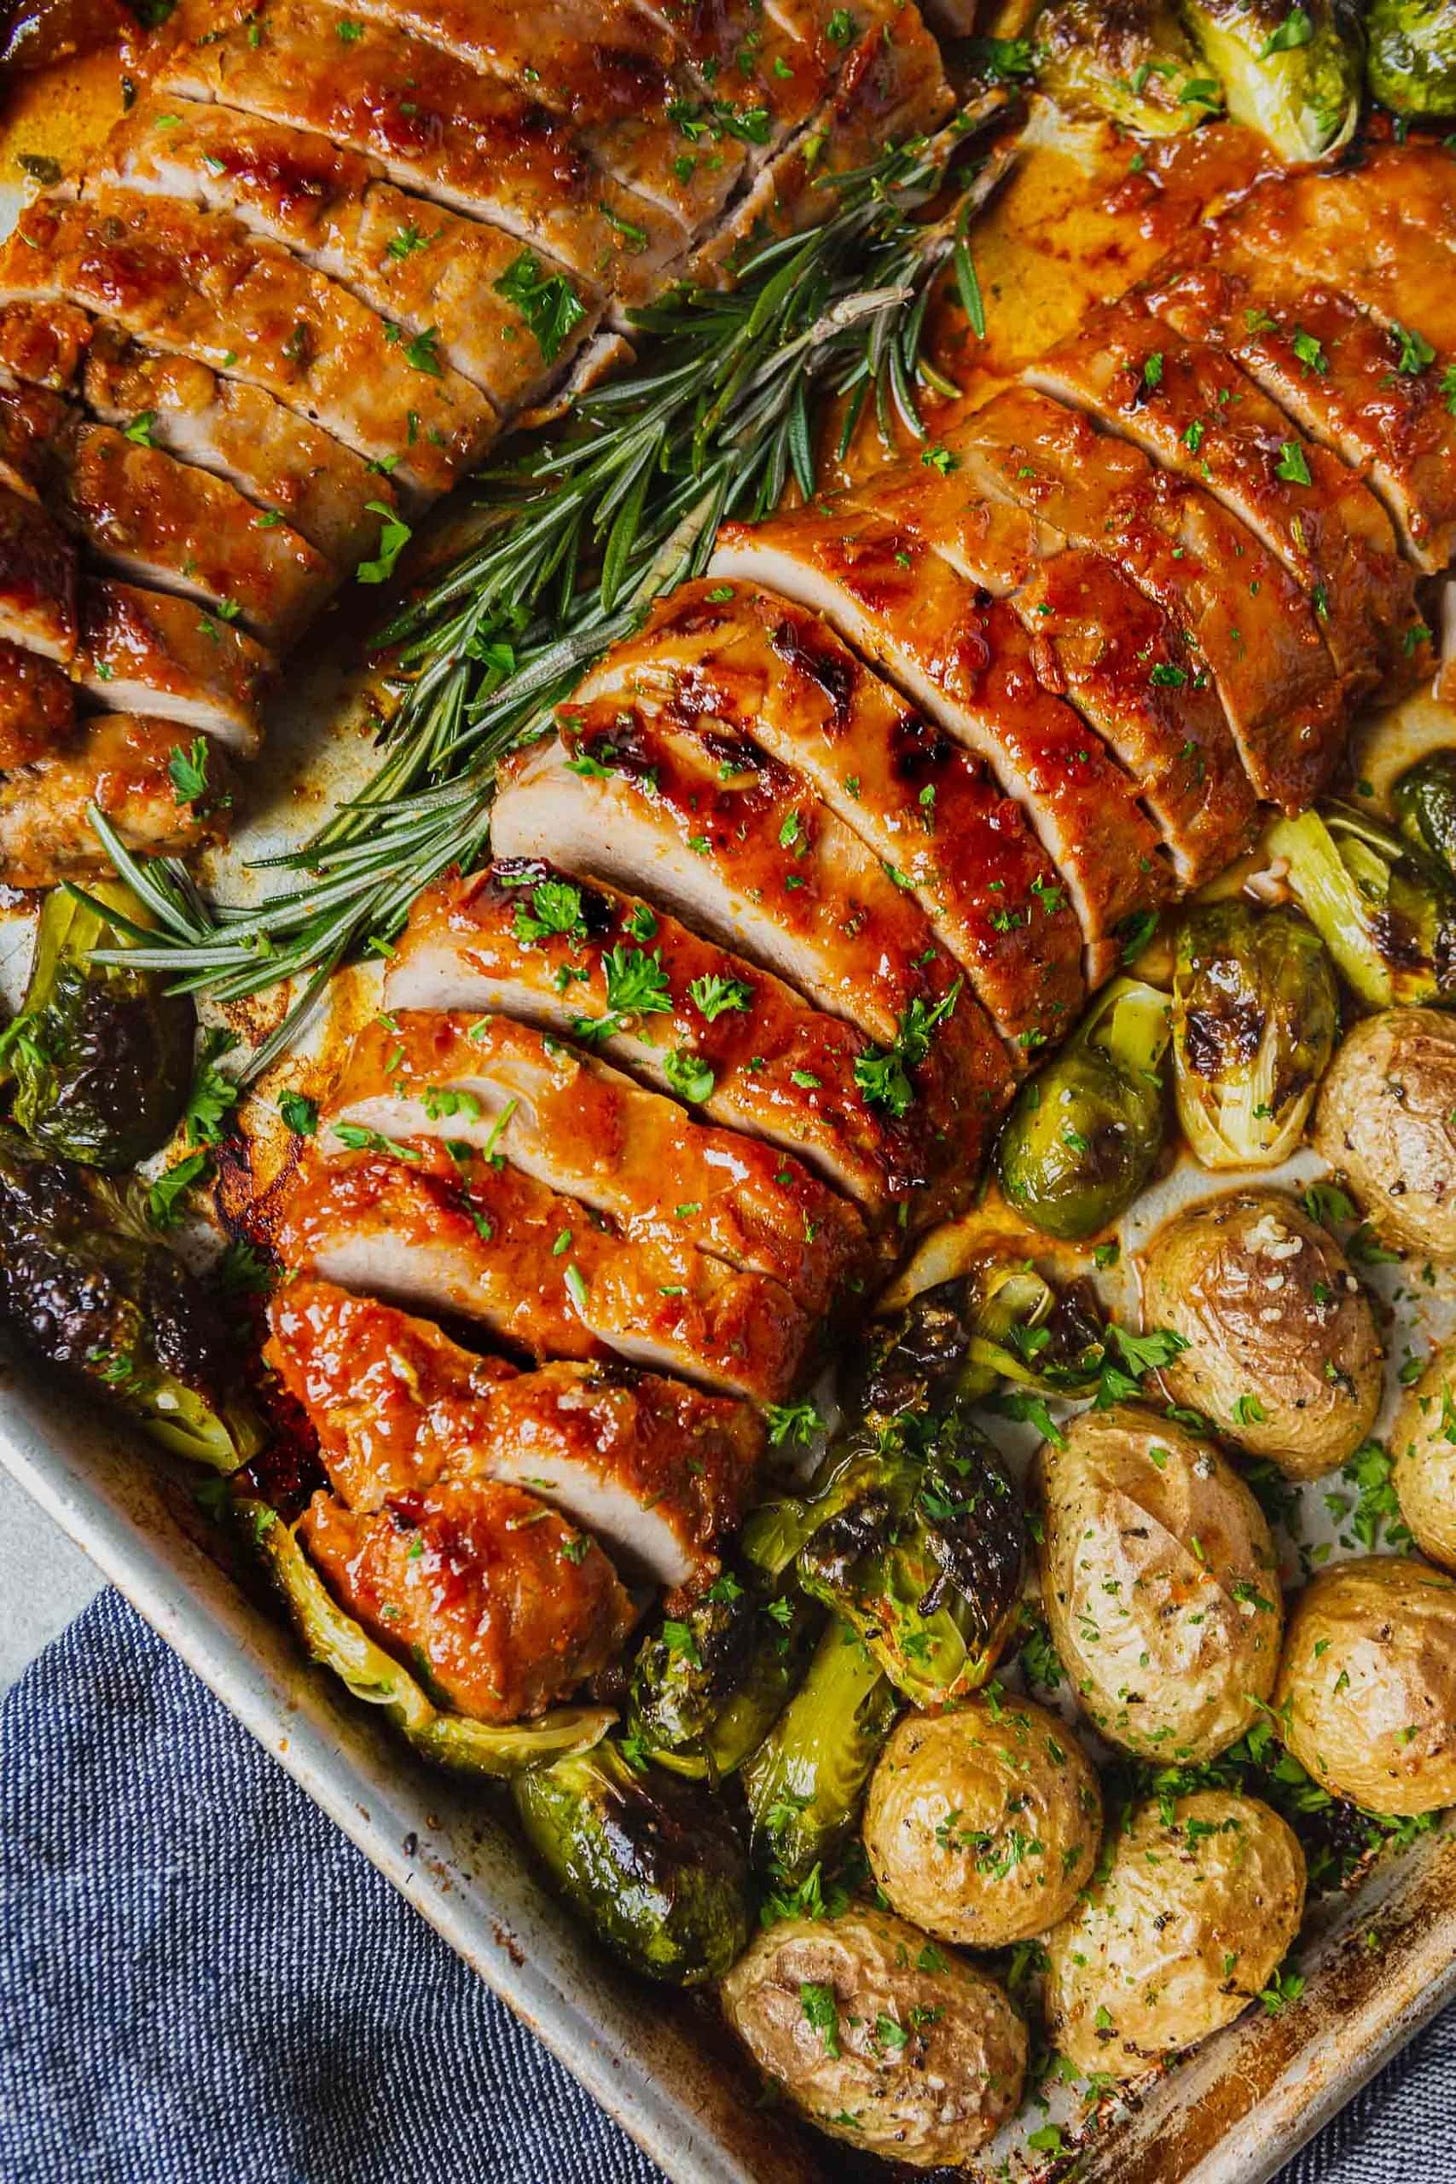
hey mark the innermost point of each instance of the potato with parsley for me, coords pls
(1196, 1910)
(1387, 1120)
(1280, 1353)
(1367, 1687)
(1159, 1583)
(983, 1823)
(1423, 1451)
(879, 2035)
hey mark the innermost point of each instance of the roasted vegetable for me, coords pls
(1423, 1446)
(337, 1641)
(805, 1781)
(1387, 1120)
(1131, 60)
(87, 1286)
(657, 1870)
(1255, 1016)
(1425, 804)
(1084, 1133)
(1001, 1322)
(1411, 56)
(708, 1686)
(1291, 73)
(101, 1054)
(1385, 911)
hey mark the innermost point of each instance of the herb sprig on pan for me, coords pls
(578, 536)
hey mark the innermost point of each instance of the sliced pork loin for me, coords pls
(1332, 369)
(434, 124)
(735, 660)
(198, 284)
(1244, 617)
(118, 762)
(151, 652)
(582, 1127)
(37, 580)
(569, 956)
(37, 707)
(540, 1271)
(1191, 407)
(654, 1468)
(965, 658)
(507, 1606)
(421, 266)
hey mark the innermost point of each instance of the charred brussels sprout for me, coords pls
(805, 1782)
(1385, 911)
(962, 1338)
(1411, 60)
(1084, 1133)
(337, 1641)
(87, 1287)
(1255, 1017)
(1425, 805)
(656, 1870)
(1291, 73)
(101, 1054)
(707, 1688)
(1129, 59)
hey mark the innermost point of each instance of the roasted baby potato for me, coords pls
(1159, 1583)
(1423, 1448)
(1200, 1903)
(982, 1824)
(1282, 1355)
(1367, 1686)
(1387, 1120)
(879, 2036)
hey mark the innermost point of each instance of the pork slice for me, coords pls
(43, 342)
(1192, 408)
(37, 580)
(1240, 611)
(546, 947)
(419, 265)
(31, 419)
(735, 660)
(151, 652)
(964, 656)
(505, 1604)
(199, 285)
(584, 1128)
(539, 1271)
(654, 1468)
(1330, 367)
(37, 707)
(117, 762)
(434, 123)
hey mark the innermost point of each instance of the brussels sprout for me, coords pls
(1129, 59)
(101, 1054)
(960, 1339)
(1255, 1016)
(336, 1641)
(805, 1782)
(1425, 804)
(1385, 911)
(1411, 63)
(83, 1282)
(1083, 1134)
(1291, 73)
(707, 1688)
(657, 1870)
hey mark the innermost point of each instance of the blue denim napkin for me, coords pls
(203, 1982)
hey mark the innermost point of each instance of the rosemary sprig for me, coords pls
(578, 536)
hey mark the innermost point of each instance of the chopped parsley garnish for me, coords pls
(547, 302)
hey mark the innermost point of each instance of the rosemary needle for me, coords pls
(578, 536)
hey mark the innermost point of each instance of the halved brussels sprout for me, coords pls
(1085, 1131)
(337, 1641)
(101, 1053)
(805, 1781)
(1385, 911)
(1255, 1017)
(88, 1287)
(1425, 804)
(707, 1687)
(655, 1869)
(959, 1340)
(1131, 60)
(1291, 73)
(1411, 60)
